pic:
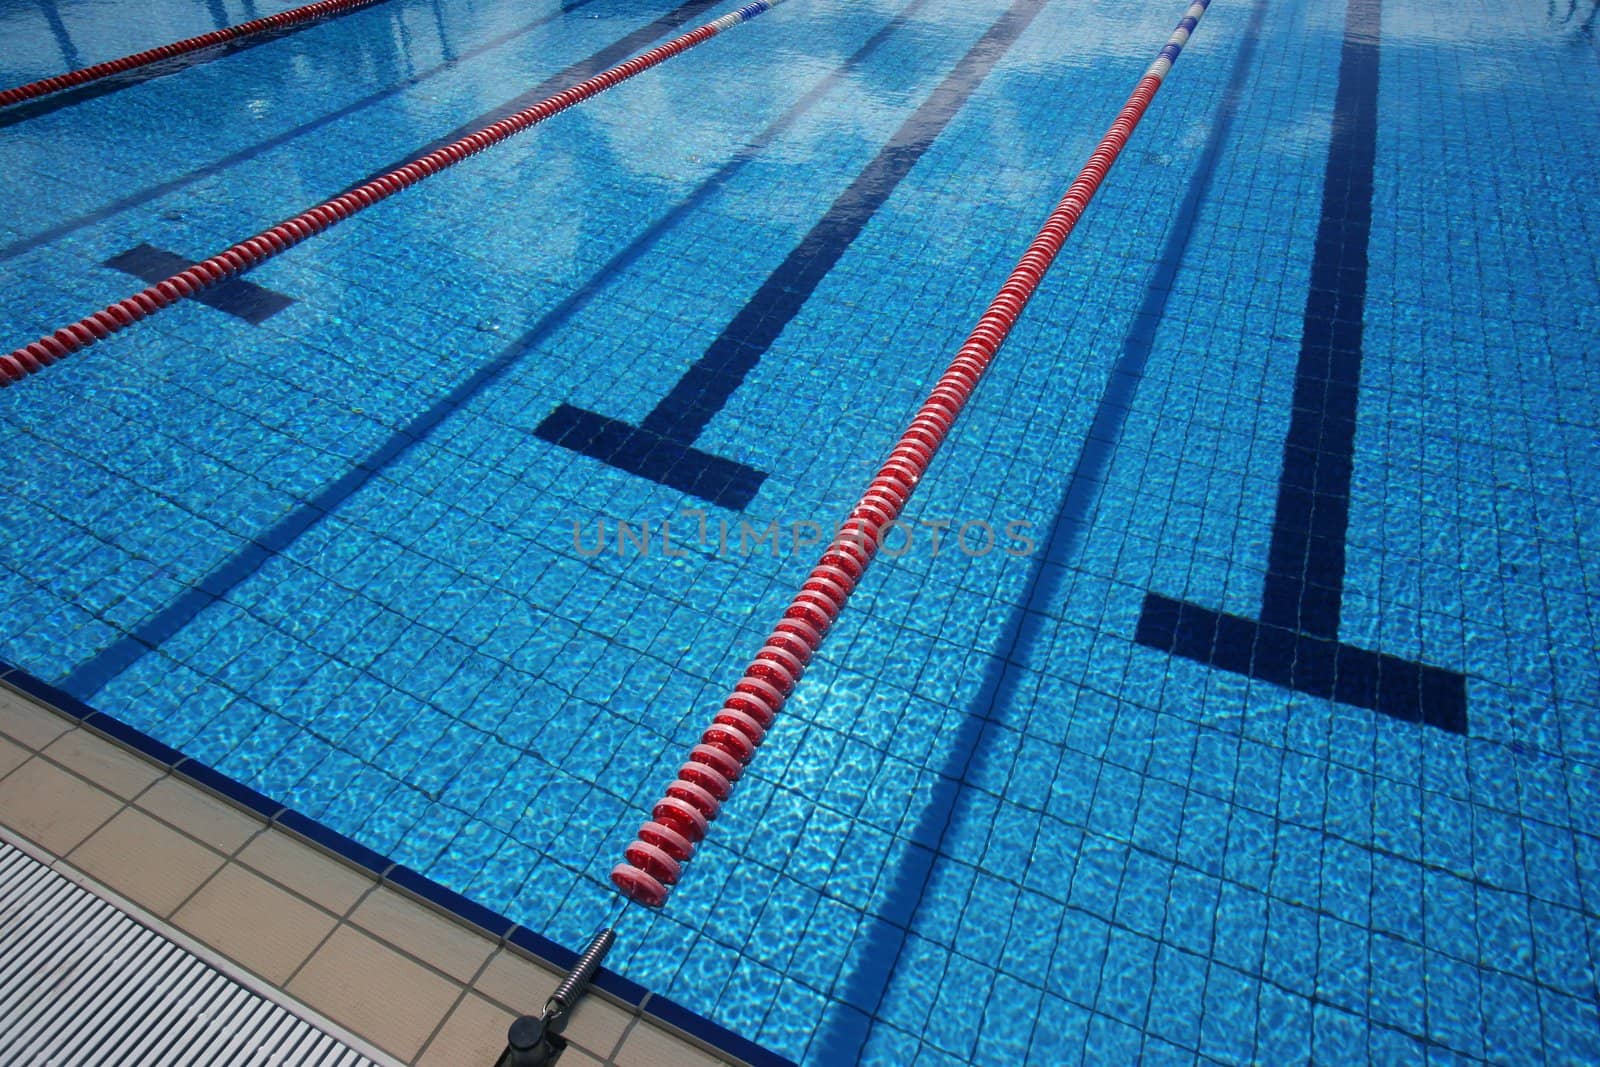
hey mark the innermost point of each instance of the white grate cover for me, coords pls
(83, 982)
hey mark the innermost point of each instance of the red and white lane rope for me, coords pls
(282, 20)
(680, 819)
(253, 251)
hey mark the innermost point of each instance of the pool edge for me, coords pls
(503, 933)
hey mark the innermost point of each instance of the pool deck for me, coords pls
(342, 946)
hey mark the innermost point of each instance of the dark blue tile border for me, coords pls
(700, 1029)
(449, 900)
(66, 703)
(491, 923)
(537, 944)
(118, 730)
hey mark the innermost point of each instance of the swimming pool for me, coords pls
(1267, 724)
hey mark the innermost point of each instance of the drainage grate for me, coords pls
(83, 982)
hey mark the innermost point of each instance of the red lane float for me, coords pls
(253, 251)
(680, 820)
(282, 20)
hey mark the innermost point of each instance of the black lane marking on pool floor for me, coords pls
(253, 303)
(846, 1028)
(1295, 643)
(96, 672)
(662, 447)
(45, 105)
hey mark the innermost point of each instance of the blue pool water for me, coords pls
(1269, 727)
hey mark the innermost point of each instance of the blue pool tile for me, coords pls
(1006, 1034)
(1075, 973)
(1228, 1014)
(1397, 896)
(1455, 1016)
(1343, 964)
(1250, 848)
(1285, 1027)
(1180, 982)
(1338, 1035)
(1516, 1003)
(1205, 829)
(889, 1044)
(1126, 977)
(1393, 1046)
(1291, 946)
(1571, 1027)
(1241, 927)
(1156, 1050)
(1347, 887)
(1111, 1039)
(1059, 1033)
(1398, 984)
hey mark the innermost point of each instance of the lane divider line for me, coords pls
(680, 820)
(85, 75)
(256, 250)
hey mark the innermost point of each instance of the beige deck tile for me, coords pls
(596, 1025)
(146, 861)
(257, 924)
(12, 756)
(199, 814)
(423, 932)
(517, 982)
(577, 1057)
(364, 984)
(107, 765)
(523, 986)
(52, 807)
(27, 722)
(307, 870)
(475, 1033)
(649, 1046)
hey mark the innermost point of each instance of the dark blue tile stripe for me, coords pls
(1306, 663)
(491, 922)
(46, 105)
(1306, 560)
(1295, 643)
(723, 482)
(660, 449)
(244, 155)
(243, 299)
(847, 1028)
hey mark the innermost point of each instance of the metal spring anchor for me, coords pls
(537, 1042)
